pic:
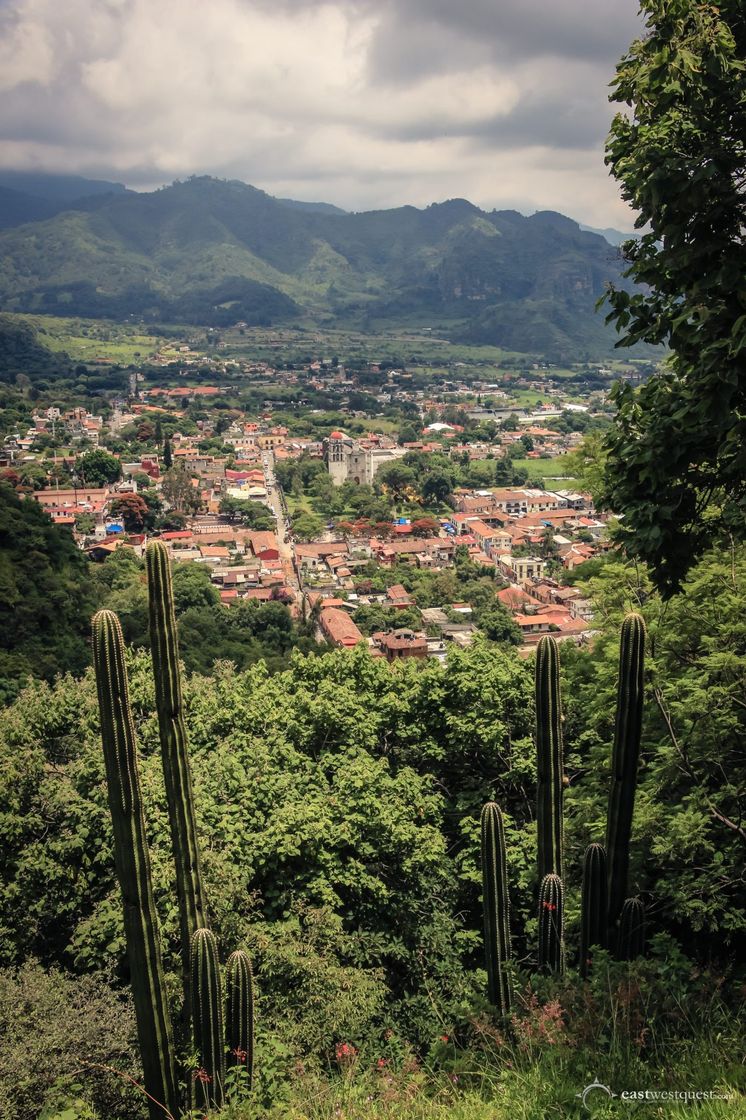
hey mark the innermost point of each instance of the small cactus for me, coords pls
(549, 774)
(132, 861)
(593, 904)
(624, 760)
(239, 1013)
(631, 941)
(496, 908)
(207, 1013)
(552, 924)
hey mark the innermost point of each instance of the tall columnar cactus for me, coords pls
(174, 750)
(552, 924)
(132, 861)
(549, 774)
(207, 1015)
(631, 941)
(624, 759)
(496, 908)
(593, 904)
(239, 1012)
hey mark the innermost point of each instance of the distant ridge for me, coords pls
(29, 196)
(313, 207)
(613, 236)
(216, 252)
(57, 188)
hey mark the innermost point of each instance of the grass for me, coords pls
(555, 470)
(549, 1087)
(85, 340)
(297, 504)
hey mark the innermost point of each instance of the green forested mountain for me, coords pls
(28, 196)
(45, 596)
(21, 352)
(216, 252)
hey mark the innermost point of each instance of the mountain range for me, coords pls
(215, 252)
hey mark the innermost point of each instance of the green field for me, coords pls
(554, 471)
(86, 340)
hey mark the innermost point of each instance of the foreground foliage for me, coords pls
(337, 807)
(660, 1024)
(676, 461)
(45, 597)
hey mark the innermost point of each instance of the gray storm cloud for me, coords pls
(359, 103)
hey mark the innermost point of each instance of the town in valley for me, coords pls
(407, 502)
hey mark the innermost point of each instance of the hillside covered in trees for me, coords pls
(337, 808)
(214, 252)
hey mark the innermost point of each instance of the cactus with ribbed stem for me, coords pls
(207, 1015)
(593, 904)
(549, 774)
(496, 908)
(132, 861)
(624, 759)
(552, 924)
(631, 942)
(164, 645)
(239, 1012)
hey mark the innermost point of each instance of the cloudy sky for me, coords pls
(364, 103)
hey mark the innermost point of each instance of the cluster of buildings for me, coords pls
(76, 426)
(528, 536)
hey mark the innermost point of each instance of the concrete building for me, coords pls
(520, 569)
(401, 643)
(352, 460)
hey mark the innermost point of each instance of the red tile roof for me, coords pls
(339, 627)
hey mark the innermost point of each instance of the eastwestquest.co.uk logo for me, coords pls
(596, 1092)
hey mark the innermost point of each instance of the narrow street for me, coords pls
(285, 546)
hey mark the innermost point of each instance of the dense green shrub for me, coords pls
(315, 790)
(46, 597)
(687, 830)
(54, 1028)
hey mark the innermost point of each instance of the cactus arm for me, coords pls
(174, 749)
(496, 907)
(207, 1012)
(624, 760)
(593, 922)
(552, 924)
(132, 861)
(239, 1014)
(549, 772)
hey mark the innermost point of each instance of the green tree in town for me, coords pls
(436, 487)
(193, 587)
(307, 526)
(497, 624)
(98, 468)
(397, 479)
(131, 510)
(252, 515)
(676, 466)
(180, 492)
